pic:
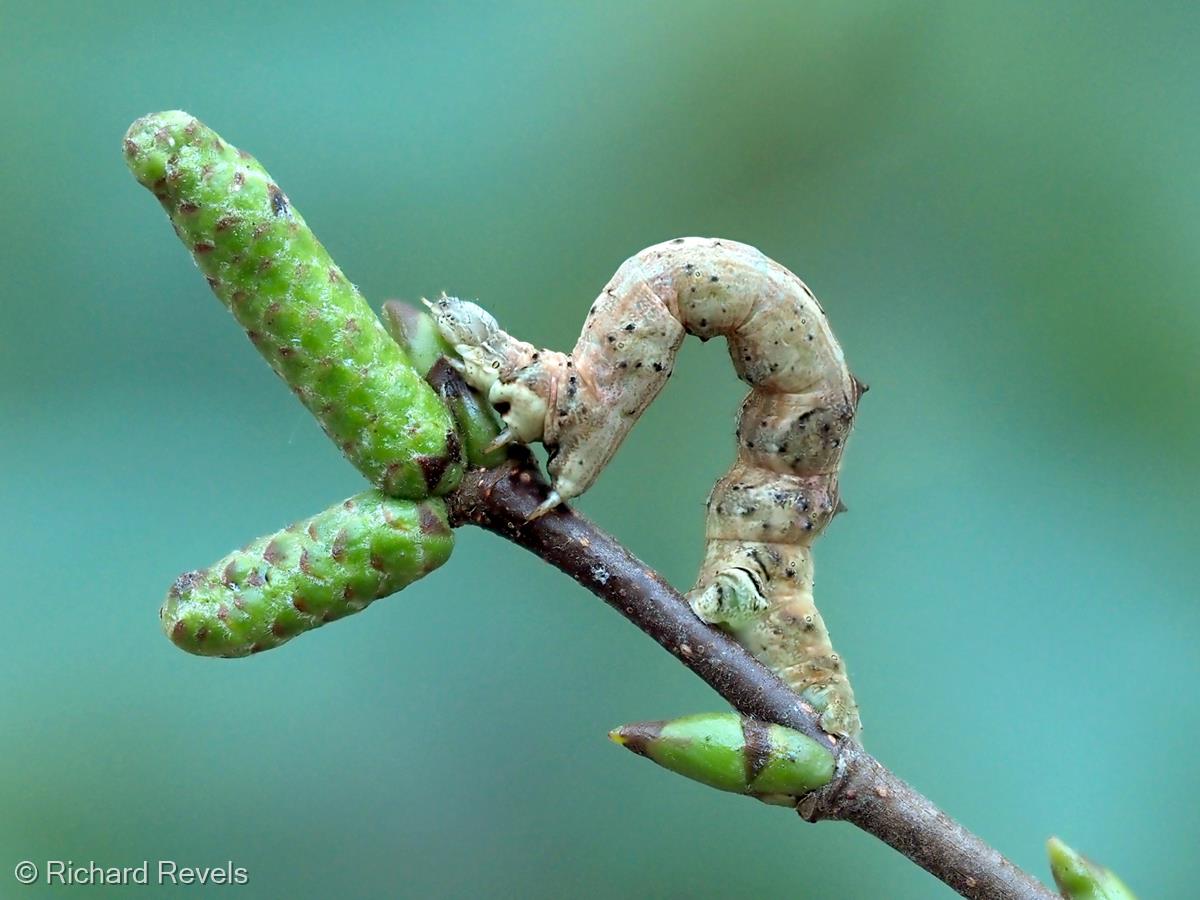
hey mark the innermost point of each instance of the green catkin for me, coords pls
(310, 573)
(418, 335)
(734, 753)
(1078, 878)
(308, 321)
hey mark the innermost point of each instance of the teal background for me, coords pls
(997, 204)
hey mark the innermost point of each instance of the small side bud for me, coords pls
(432, 356)
(733, 753)
(1078, 878)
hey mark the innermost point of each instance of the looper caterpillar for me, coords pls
(782, 490)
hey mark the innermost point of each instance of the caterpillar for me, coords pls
(733, 753)
(312, 572)
(782, 489)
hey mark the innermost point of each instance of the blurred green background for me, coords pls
(997, 205)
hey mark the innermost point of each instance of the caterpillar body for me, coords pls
(765, 512)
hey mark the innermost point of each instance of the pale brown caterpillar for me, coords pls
(764, 514)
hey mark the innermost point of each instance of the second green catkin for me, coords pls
(304, 316)
(312, 572)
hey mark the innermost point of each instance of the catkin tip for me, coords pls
(151, 140)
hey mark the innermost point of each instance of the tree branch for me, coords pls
(863, 791)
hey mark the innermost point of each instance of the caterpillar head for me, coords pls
(475, 336)
(503, 369)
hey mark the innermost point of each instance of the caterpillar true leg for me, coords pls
(781, 491)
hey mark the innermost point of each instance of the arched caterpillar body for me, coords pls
(782, 490)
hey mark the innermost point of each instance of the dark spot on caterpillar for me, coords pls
(279, 203)
(256, 647)
(658, 367)
(312, 530)
(714, 279)
(677, 241)
(178, 631)
(305, 563)
(201, 634)
(630, 327)
(239, 602)
(203, 247)
(502, 407)
(378, 563)
(274, 552)
(300, 604)
(187, 207)
(222, 612)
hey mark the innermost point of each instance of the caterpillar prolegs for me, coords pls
(766, 511)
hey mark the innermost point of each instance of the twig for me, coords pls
(864, 792)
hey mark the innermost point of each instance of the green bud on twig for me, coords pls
(734, 753)
(312, 572)
(299, 310)
(1078, 878)
(431, 354)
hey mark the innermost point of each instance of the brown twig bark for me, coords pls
(863, 791)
